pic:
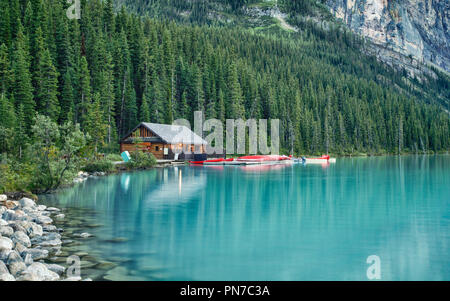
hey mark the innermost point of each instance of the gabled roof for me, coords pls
(172, 134)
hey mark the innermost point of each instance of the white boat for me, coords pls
(321, 160)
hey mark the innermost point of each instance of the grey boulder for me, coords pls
(4, 254)
(26, 202)
(38, 272)
(43, 220)
(15, 263)
(58, 269)
(28, 259)
(7, 277)
(16, 268)
(19, 247)
(22, 238)
(3, 268)
(5, 244)
(36, 253)
(34, 230)
(6, 231)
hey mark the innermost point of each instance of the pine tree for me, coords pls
(5, 23)
(36, 58)
(183, 108)
(235, 98)
(211, 109)
(342, 132)
(5, 72)
(14, 16)
(131, 110)
(47, 89)
(109, 17)
(67, 99)
(62, 42)
(146, 66)
(8, 116)
(94, 123)
(199, 94)
(85, 91)
(98, 62)
(221, 115)
(23, 92)
(145, 109)
(108, 98)
(168, 116)
(156, 106)
(7, 123)
(400, 135)
(122, 75)
(20, 137)
(170, 71)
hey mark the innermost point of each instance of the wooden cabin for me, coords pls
(164, 141)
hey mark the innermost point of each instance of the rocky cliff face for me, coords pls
(418, 29)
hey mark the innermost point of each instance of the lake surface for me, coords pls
(272, 222)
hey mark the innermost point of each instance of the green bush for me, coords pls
(99, 166)
(56, 153)
(140, 160)
(113, 157)
(15, 176)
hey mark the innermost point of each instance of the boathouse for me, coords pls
(165, 142)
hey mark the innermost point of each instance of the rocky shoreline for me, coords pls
(83, 176)
(27, 238)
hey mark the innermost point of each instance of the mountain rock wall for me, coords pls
(415, 28)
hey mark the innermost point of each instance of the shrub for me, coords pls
(113, 157)
(16, 176)
(99, 166)
(141, 160)
(56, 153)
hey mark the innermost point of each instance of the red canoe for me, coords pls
(212, 162)
(264, 158)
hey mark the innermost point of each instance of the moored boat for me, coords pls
(212, 162)
(264, 158)
(247, 160)
(325, 159)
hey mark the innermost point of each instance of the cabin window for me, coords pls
(157, 148)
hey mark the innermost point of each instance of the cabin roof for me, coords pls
(171, 134)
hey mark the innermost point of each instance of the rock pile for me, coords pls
(83, 176)
(27, 238)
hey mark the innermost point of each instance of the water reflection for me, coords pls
(287, 222)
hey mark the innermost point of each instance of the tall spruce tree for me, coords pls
(47, 88)
(67, 99)
(94, 123)
(5, 71)
(23, 91)
(85, 91)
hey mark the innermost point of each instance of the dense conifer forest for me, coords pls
(113, 68)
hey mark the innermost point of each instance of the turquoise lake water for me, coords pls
(273, 222)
